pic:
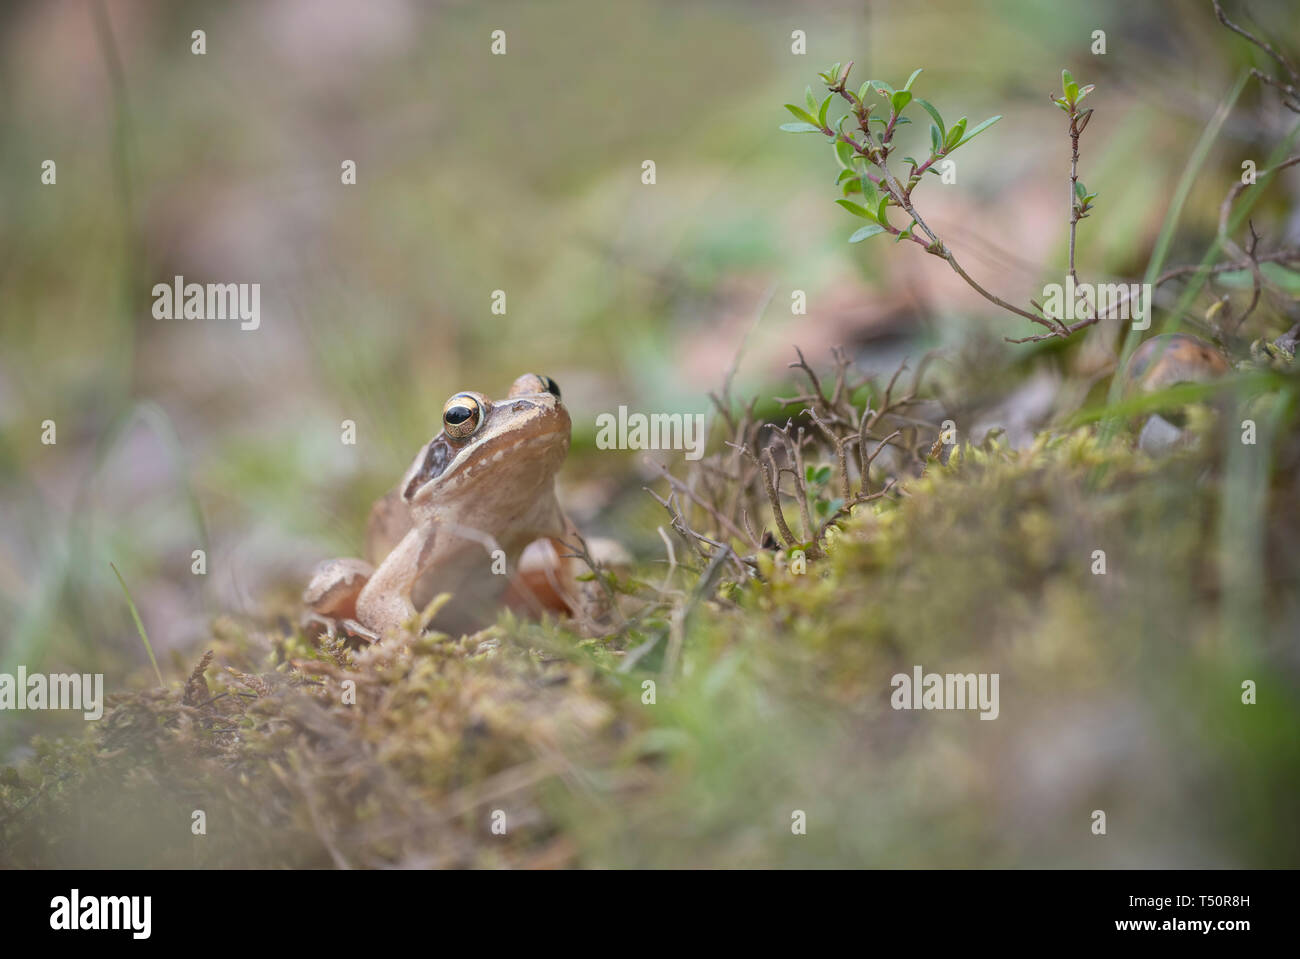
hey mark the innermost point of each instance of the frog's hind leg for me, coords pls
(548, 578)
(334, 587)
(538, 584)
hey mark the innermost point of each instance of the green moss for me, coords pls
(1118, 692)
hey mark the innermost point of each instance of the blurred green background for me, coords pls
(476, 173)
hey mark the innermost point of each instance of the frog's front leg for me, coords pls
(384, 603)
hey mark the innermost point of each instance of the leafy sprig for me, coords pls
(863, 151)
(864, 170)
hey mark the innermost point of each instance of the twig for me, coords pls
(1262, 44)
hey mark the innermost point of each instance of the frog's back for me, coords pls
(390, 520)
(1173, 358)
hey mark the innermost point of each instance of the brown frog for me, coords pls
(474, 497)
(1163, 361)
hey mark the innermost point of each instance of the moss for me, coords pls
(1118, 692)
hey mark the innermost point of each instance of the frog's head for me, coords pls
(499, 450)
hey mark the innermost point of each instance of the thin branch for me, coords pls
(1289, 256)
(1262, 44)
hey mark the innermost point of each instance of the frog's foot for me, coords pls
(353, 634)
(315, 626)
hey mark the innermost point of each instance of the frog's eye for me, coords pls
(551, 386)
(461, 416)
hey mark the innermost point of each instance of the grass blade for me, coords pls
(138, 625)
(1165, 238)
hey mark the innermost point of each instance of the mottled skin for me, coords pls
(1163, 361)
(1173, 358)
(482, 484)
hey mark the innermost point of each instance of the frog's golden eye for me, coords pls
(461, 416)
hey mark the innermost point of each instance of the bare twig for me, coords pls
(1262, 44)
(1289, 256)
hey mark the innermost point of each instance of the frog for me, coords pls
(1163, 361)
(474, 497)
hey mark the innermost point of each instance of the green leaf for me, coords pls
(870, 195)
(810, 99)
(978, 129)
(1068, 86)
(864, 89)
(857, 209)
(900, 100)
(870, 230)
(915, 73)
(825, 108)
(800, 128)
(934, 114)
(801, 114)
(955, 134)
(936, 139)
(1079, 189)
(884, 89)
(844, 153)
(881, 214)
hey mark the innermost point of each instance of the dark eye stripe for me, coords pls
(435, 461)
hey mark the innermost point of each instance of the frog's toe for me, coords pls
(335, 586)
(356, 633)
(316, 627)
